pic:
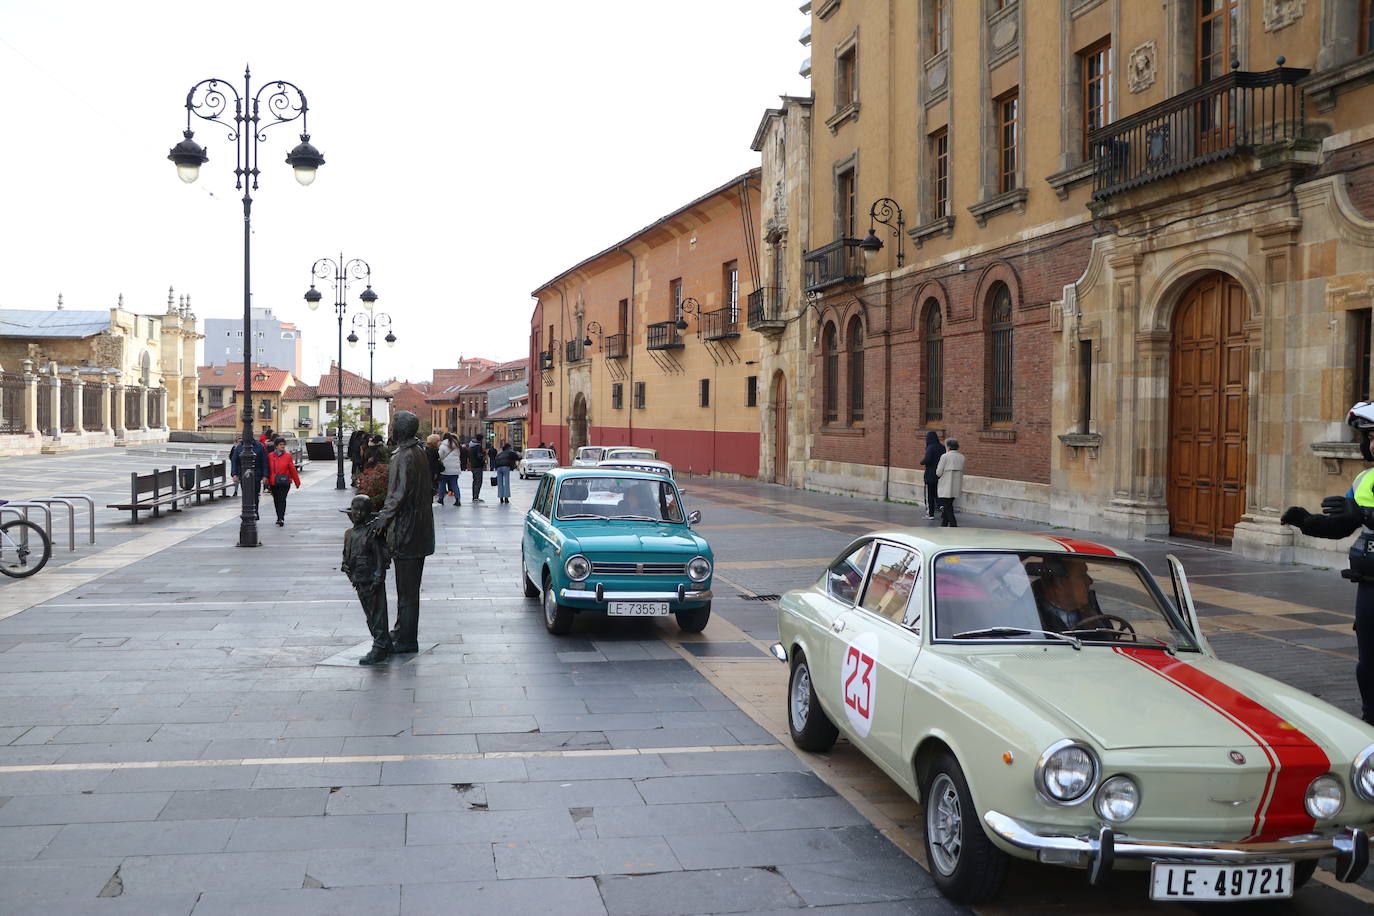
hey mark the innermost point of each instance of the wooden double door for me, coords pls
(1208, 410)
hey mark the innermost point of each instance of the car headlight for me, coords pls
(1362, 774)
(577, 567)
(1325, 797)
(1066, 772)
(1118, 799)
(699, 569)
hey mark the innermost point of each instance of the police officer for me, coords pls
(1341, 516)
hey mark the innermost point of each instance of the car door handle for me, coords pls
(837, 626)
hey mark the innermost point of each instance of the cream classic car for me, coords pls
(1043, 698)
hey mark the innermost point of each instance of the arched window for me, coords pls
(935, 362)
(999, 354)
(854, 337)
(830, 375)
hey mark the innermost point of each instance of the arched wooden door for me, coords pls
(1208, 409)
(779, 428)
(577, 432)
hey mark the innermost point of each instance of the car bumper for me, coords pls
(1098, 852)
(601, 595)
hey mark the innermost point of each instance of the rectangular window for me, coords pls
(1008, 139)
(550, 402)
(939, 26)
(617, 396)
(331, 406)
(751, 391)
(639, 396)
(704, 392)
(1361, 332)
(846, 78)
(939, 162)
(1085, 385)
(730, 290)
(675, 298)
(1096, 74)
(623, 311)
(303, 413)
(846, 204)
(1366, 26)
(1217, 28)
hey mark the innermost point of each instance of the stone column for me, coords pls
(80, 408)
(30, 401)
(106, 410)
(55, 393)
(117, 405)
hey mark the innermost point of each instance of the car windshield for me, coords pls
(1046, 597)
(537, 453)
(631, 455)
(589, 453)
(642, 468)
(619, 497)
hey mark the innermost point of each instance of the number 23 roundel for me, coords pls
(859, 682)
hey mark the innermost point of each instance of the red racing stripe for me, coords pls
(1294, 758)
(1077, 546)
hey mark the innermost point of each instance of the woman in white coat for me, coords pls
(950, 472)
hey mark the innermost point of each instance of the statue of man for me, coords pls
(408, 523)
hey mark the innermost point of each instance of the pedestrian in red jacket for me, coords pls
(281, 473)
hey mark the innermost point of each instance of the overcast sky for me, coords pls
(473, 150)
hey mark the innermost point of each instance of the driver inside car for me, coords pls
(1064, 593)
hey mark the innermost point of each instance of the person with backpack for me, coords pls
(477, 463)
(505, 459)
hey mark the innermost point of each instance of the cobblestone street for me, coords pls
(184, 728)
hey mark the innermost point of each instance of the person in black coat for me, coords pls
(357, 444)
(477, 463)
(932, 458)
(260, 467)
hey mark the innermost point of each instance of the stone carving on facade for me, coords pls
(1141, 66)
(1281, 13)
(1004, 33)
(936, 75)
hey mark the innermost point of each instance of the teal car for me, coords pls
(619, 542)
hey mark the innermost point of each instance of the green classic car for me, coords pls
(618, 542)
(1044, 699)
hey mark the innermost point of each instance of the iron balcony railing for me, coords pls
(765, 307)
(838, 262)
(720, 324)
(545, 359)
(1226, 116)
(615, 346)
(573, 350)
(664, 335)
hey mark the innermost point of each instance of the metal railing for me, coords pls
(720, 324)
(92, 403)
(156, 407)
(66, 406)
(545, 359)
(12, 391)
(1223, 117)
(765, 306)
(664, 335)
(573, 351)
(838, 262)
(616, 346)
(133, 408)
(44, 406)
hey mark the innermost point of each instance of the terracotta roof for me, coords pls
(522, 363)
(277, 380)
(224, 417)
(300, 392)
(228, 374)
(514, 412)
(353, 384)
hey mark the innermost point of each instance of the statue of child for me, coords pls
(364, 562)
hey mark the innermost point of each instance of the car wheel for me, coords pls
(1303, 872)
(811, 728)
(693, 620)
(531, 590)
(965, 864)
(558, 619)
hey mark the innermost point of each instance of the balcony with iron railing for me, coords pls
(1240, 112)
(545, 359)
(720, 324)
(839, 262)
(616, 346)
(574, 351)
(766, 309)
(664, 335)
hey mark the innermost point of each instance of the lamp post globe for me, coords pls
(313, 297)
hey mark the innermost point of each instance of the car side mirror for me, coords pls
(694, 517)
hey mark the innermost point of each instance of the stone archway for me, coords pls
(778, 406)
(1209, 365)
(577, 425)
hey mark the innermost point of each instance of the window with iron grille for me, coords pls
(855, 338)
(1000, 357)
(704, 392)
(640, 398)
(939, 161)
(751, 391)
(830, 379)
(935, 362)
(617, 396)
(1095, 64)
(1008, 140)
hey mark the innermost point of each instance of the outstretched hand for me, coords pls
(1295, 516)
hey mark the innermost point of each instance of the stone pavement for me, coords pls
(173, 738)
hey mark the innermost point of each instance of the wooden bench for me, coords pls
(207, 480)
(150, 492)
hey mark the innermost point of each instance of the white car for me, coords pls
(588, 456)
(629, 452)
(536, 462)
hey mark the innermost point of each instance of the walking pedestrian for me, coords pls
(357, 446)
(376, 453)
(930, 461)
(436, 467)
(365, 562)
(950, 472)
(451, 461)
(408, 522)
(502, 463)
(259, 467)
(477, 463)
(281, 473)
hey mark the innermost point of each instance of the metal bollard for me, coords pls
(90, 507)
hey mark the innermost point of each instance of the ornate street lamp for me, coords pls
(593, 327)
(341, 274)
(274, 103)
(688, 306)
(371, 323)
(882, 211)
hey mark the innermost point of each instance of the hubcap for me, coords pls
(944, 825)
(801, 696)
(550, 603)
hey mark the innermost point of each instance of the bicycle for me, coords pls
(18, 558)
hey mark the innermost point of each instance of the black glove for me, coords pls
(1294, 515)
(1340, 506)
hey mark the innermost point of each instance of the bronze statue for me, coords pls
(408, 523)
(365, 562)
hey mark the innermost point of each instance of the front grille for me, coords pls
(639, 569)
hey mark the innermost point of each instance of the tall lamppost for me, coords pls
(341, 274)
(283, 101)
(371, 323)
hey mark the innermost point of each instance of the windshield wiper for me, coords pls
(566, 517)
(1154, 641)
(1016, 631)
(640, 518)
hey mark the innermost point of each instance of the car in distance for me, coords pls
(535, 462)
(599, 539)
(646, 465)
(587, 456)
(632, 452)
(1043, 699)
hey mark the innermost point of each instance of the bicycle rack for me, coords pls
(90, 507)
(71, 517)
(21, 509)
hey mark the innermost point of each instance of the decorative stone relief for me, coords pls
(1004, 33)
(936, 75)
(1141, 67)
(1281, 13)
